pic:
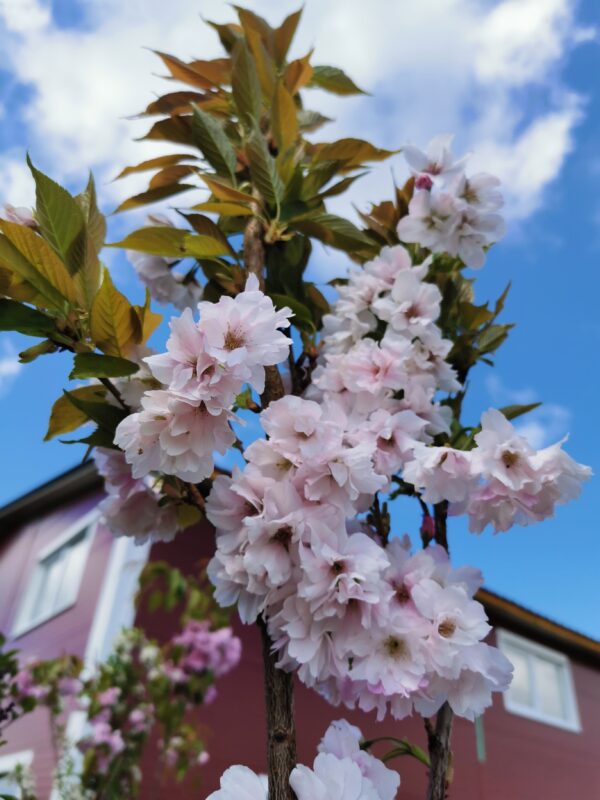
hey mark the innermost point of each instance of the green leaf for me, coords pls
(224, 209)
(263, 169)
(94, 365)
(153, 195)
(333, 80)
(514, 411)
(89, 277)
(302, 318)
(100, 437)
(212, 140)
(66, 417)
(187, 515)
(114, 324)
(492, 337)
(41, 349)
(24, 319)
(310, 121)
(333, 230)
(223, 191)
(42, 261)
(106, 416)
(60, 219)
(245, 86)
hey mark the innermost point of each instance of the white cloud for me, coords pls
(436, 65)
(544, 426)
(9, 366)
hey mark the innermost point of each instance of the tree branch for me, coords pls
(279, 696)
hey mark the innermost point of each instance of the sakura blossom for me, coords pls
(340, 771)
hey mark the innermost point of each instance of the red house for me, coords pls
(67, 586)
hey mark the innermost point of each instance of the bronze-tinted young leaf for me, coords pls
(205, 246)
(212, 140)
(263, 169)
(284, 118)
(265, 68)
(245, 86)
(60, 219)
(43, 260)
(157, 163)
(95, 365)
(157, 240)
(184, 72)
(514, 411)
(114, 326)
(154, 195)
(66, 417)
(206, 227)
(298, 73)
(229, 34)
(353, 152)
(224, 209)
(24, 319)
(340, 187)
(334, 80)
(224, 191)
(172, 104)
(217, 71)
(149, 320)
(282, 37)
(175, 129)
(171, 175)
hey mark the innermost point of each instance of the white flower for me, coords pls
(437, 160)
(240, 783)
(332, 779)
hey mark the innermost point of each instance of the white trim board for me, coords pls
(571, 721)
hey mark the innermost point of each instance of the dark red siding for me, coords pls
(525, 760)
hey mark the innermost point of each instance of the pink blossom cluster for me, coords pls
(218, 651)
(501, 482)
(341, 771)
(157, 274)
(450, 213)
(181, 425)
(131, 506)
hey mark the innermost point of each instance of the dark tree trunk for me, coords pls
(281, 732)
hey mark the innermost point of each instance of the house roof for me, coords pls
(77, 480)
(501, 610)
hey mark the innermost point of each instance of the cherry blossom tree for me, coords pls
(358, 387)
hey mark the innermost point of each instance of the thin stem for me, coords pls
(115, 392)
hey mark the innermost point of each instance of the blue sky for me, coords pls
(515, 80)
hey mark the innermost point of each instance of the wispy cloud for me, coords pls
(541, 427)
(9, 366)
(464, 66)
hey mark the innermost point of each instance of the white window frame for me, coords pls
(9, 761)
(572, 721)
(24, 622)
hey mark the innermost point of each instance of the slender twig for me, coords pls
(115, 392)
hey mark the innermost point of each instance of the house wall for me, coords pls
(67, 632)
(525, 760)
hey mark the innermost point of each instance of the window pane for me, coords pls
(49, 586)
(72, 568)
(549, 685)
(520, 688)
